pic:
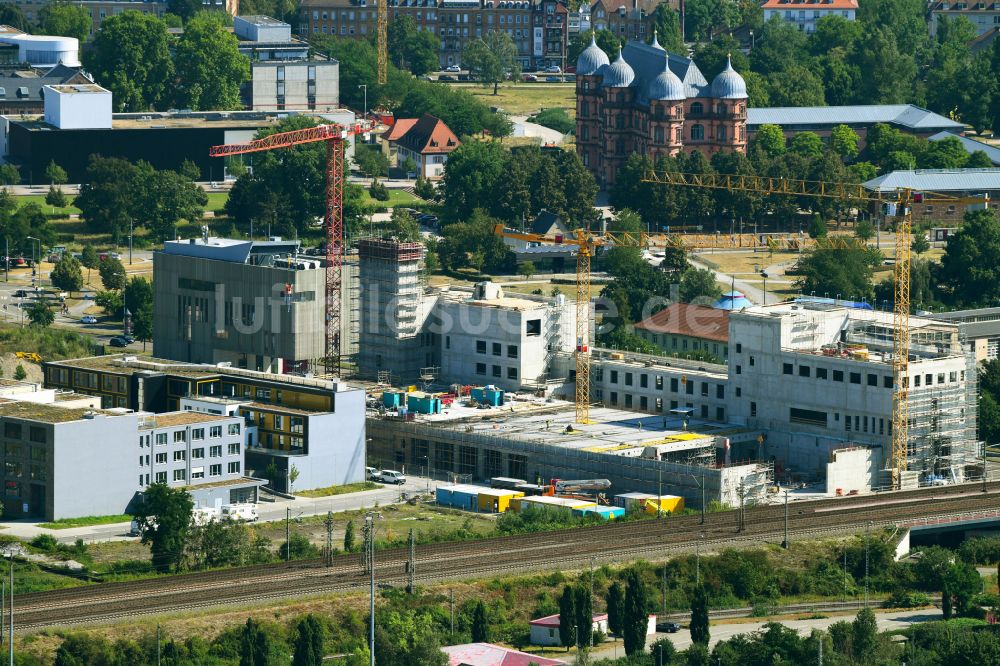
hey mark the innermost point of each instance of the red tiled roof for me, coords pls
(429, 135)
(401, 127)
(810, 4)
(696, 321)
(487, 654)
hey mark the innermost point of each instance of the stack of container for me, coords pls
(562, 504)
(628, 500)
(496, 500)
(460, 496)
(605, 512)
(392, 399)
(664, 504)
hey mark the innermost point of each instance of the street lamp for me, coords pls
(752, 42)
(34, 260)
(763, 276)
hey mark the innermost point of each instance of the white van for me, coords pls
(241, 512)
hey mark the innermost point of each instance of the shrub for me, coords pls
(378, 191)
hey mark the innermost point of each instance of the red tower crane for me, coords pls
(334, 136)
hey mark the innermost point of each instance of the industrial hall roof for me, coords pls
(907, 116)
(971, 145)
(938, 180)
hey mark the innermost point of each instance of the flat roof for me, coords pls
(938, 180)
(47, 413)
(906, 115)
(73, 88)
(170, 419)
(611, 431)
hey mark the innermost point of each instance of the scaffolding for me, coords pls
(392, 309)
(943, 426)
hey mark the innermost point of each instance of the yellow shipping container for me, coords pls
(665, 504)
(497, 500)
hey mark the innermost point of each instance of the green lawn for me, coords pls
(396, 198)
(217, 201)
(523, 99)
(338, 490)
(39, 199)
(85, 521)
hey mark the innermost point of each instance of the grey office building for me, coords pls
(258, 305)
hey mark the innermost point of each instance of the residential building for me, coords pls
(22, 86)
(984, 16)
(654, 103)
(388, 140)
(255, 304)
(681, 329)
(102, 9)
(427, 141)
(984, 183)
(629, 21)
(545, 630)
(283, 74)
(578, 21)
(202, 453)
(822, 119)
(315, 425)
(805, 13)
(539, 28)
(547, 257)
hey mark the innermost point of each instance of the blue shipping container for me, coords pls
(466, 500)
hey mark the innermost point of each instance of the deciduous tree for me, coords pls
(491, 58)
(65, 19)
(130, 56)
(210, 67)
(164, 518)
(66, 274)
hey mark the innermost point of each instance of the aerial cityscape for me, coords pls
(499, 333)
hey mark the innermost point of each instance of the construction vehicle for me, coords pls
(33, 357)
(581, 486)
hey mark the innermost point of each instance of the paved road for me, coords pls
(523, 128)
(724, 631)
(268, 511)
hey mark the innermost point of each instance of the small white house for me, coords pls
(545, 630)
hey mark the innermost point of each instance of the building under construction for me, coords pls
(536, 439)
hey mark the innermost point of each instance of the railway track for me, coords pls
(520, 554)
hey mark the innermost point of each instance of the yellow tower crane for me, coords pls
(852, 192)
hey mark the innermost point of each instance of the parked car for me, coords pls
(88, 319)
(552, 79)
(118, 341)
(390, 476)
(446, 77)
(530, 78)
(553, 69)
(21, 293)
(453, 68)
(668, 627)
(370, 473)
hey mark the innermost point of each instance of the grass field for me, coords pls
(39, 199)
(338, 490)
(523, 99)
(396, 198)
(85, 521)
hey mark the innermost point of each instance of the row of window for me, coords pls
(14, 430)
(675, 383)
(870, 379)
(196, 454)
(197, 434)
(197, 473)
(643, 403)
(496, 349)
(496, 371)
